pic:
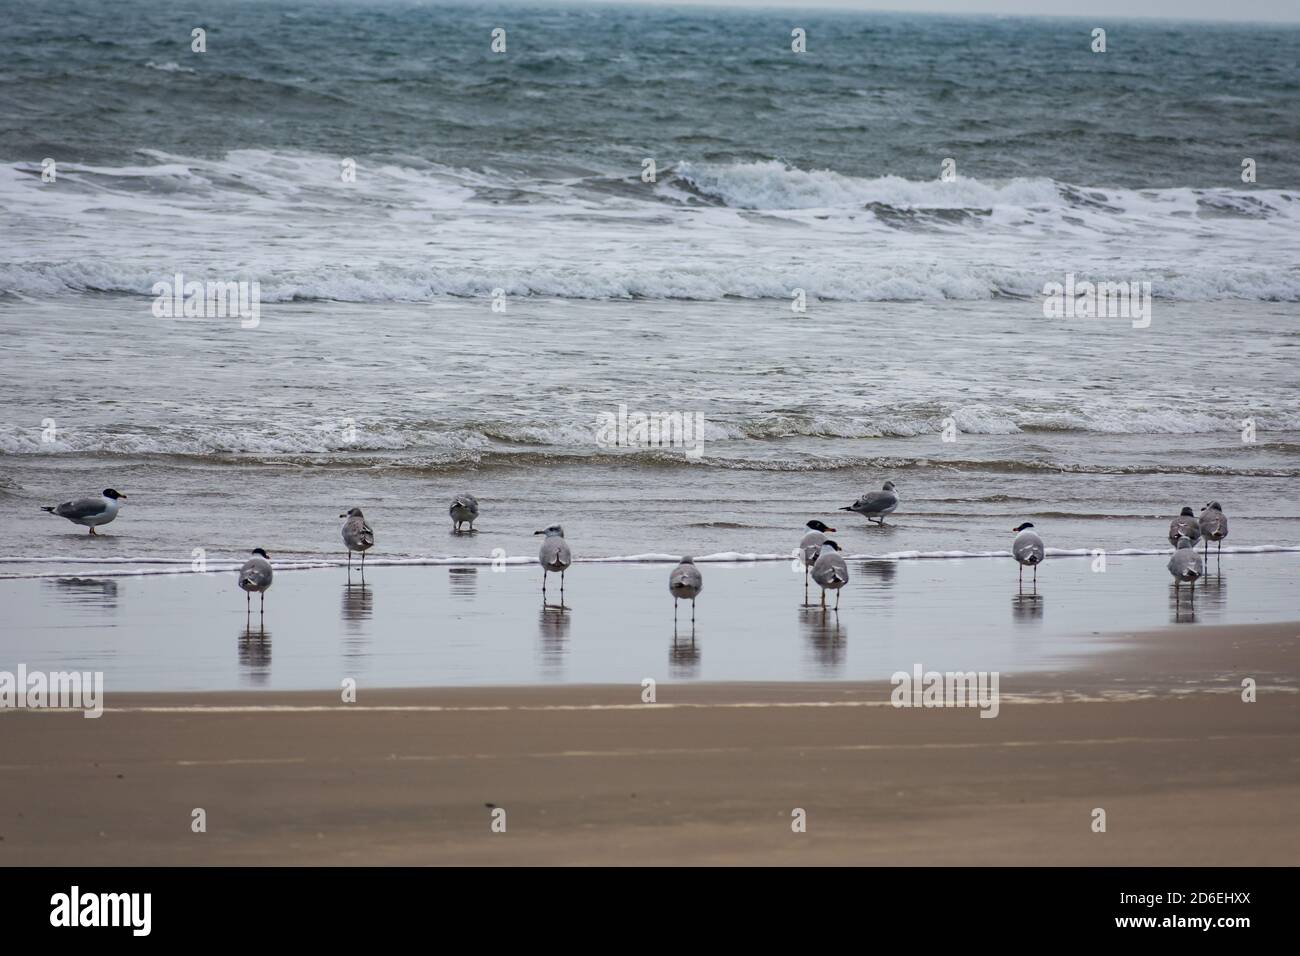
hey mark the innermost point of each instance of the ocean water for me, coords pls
(380, 376)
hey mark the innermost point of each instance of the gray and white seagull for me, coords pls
(357, 535)
(463, 510)
(1184, 526)
(1027, 549)
(89, 512)
(685, 581)
(255, 576)
(1185, 565)
(1214, 526)
(809, 545)
(554, 556)
(876, 504)
(830, 571)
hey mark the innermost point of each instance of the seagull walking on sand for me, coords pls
(256, 575)
(357, 536)
(830, 570)
(90, 512)
(464, 510)
(1185, 565)
(876, 504)
(1184, 526)
(809, 546)
(685, 581)
(1214, 526)
(554, 556)
(1027, 549)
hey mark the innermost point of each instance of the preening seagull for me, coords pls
(256, 575)
(90, 512)
(830, 570)
(554, 556)
(1184, 526)
(464, 510)
(685, 581)
(357, 535)
(1185, 565)
(809, 546)
(1214, 526)
(876, 504)
(1027, 549)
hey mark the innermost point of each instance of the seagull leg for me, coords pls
(837, 599)
(674, 610)
(692, 613)
(92, 531)
(823, 597)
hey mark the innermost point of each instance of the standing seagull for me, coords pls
(809, 546)
(685, 581)
(256, 575)
(1185, 565)
(876, 504)
(1184, 526)
(554, 556)
(357, 536)
(1027, 548)
(90, 512)
(830, 571)
(1214, 525)
(464, 508)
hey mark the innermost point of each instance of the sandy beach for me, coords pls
(1157, 736)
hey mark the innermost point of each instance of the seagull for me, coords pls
(809, 546)
(464, 508)
(1214, 525)
(876, 504)
(1027, 548)
(357, 536)
(554, 556)
(830, 571)
(1185, 525)
(1185, 565)
(90, 512)
(685, 581)
(256, 575)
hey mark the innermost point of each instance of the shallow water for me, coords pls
(226, 439)
(464, 625)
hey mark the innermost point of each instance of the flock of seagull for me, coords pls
(821, 556)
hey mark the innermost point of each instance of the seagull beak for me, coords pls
(123, 497)
(344, 515)
(539, 532)
(832, 530)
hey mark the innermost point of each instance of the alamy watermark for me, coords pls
(1098, 300)
(683, 430)
(175, 298)
(946, 689)
(57, 690)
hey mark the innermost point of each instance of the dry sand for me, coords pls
(1154, 732)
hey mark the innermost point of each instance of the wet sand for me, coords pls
(448, 626)
(1154, 732)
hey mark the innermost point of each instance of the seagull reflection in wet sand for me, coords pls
(826, 637)
(358, 603)
(553, 640)
(684, 653)
(463, 582)
(93, 592)
(255, 653)
(1026, 606)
